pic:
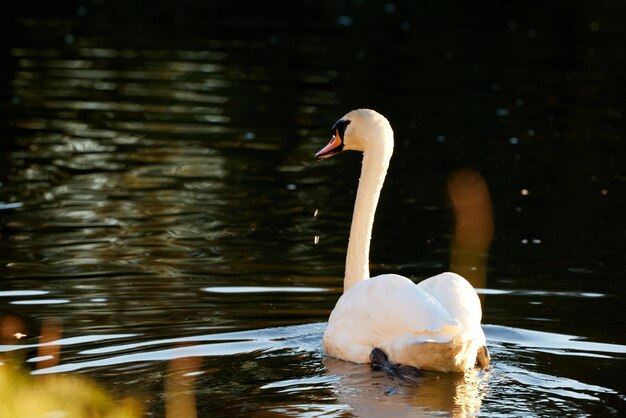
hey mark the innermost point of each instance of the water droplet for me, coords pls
(441, 138)
(524, 192)
(536, 241)
(502, 112)
(524, 241)
(291, 187)
(604, 192)
(513, 140)
(249, 135)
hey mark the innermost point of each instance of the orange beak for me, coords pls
(334, 147)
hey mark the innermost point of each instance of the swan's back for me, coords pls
(433, 325)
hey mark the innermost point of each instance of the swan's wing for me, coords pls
(457, 296)
(462, 303)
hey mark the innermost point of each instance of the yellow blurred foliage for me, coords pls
(58, 396)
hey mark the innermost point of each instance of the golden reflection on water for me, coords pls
(49, 351)
(180, 395)
(12, 329)
(473, 225)
(373, 394)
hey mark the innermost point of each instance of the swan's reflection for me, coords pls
(375, 394)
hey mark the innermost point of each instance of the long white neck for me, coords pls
(373, 172)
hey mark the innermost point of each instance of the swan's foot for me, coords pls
(482, 357)
(380, 361)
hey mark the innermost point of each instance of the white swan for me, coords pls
(434, 325)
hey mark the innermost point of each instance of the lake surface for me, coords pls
(158, 192)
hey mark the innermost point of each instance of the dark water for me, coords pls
(158, 190)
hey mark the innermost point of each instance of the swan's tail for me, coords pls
(379, 361)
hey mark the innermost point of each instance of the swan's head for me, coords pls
(359, 130)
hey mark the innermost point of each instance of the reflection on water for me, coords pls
(180, 400)
(473, 226)
(374, 394)
(343, 386)
(160, 206)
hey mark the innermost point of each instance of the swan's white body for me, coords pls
(434, 325)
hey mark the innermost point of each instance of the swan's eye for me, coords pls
(340, 128)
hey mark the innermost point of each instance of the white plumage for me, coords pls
(434, 325)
